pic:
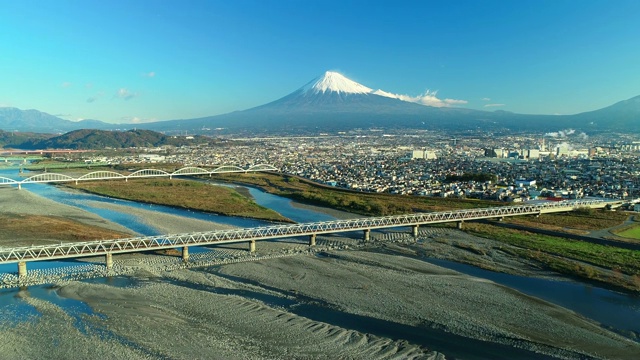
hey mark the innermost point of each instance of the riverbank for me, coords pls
(363, 203)
(372, 301)
(29, 219)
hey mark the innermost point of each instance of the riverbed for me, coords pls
(340, 290)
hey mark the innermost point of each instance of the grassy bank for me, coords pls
(19, 229)
(183, 194)
(580, 221)
(369, 204)
(594, 262)
(632, 232)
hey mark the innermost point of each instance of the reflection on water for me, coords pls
(610, 308)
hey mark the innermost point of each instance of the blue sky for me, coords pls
(138, 61)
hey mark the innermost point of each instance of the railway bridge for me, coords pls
(107, 248)
(101, 175)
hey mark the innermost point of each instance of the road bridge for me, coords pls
(102, 175)
(107, 248)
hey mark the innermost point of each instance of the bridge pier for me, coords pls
(108, 259)
(414, 230)
(252, 246)
(367, 234)
(312, 240)
(459, 225)
(19, 186)
(185, 253)
(22, 269)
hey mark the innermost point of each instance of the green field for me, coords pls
(630, 233)
(606, 264)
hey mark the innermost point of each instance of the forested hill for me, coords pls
(100, 139)
(11, 139)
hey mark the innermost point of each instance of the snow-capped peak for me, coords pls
(333, 81)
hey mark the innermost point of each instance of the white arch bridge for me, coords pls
(144, 173)
(107, 248)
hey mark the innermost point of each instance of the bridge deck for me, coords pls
(145, 243)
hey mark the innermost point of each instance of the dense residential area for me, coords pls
(508, 168)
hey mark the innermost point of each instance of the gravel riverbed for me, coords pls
(341, 299)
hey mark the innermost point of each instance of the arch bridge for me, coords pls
(49, 177)
(107, 248)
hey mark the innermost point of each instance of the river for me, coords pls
(617, 311)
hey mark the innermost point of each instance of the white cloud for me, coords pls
(66, 84)
(494, 105)
(429, 98)
(149, 74)
(137, 120)
(486, 99)
(455, 101)
(125, 94)
(561, 133)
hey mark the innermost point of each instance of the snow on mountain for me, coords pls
(333, 102)
(332, 81)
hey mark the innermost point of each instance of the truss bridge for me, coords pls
(101, 175)
(107, 248)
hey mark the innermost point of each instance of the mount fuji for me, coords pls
(331, 102)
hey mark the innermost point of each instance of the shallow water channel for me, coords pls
(617, 311)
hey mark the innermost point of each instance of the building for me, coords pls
(522, 183)
(562, 150)
(423, 154)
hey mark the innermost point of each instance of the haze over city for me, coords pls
(135, 62)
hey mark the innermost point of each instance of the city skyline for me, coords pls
(144, 61)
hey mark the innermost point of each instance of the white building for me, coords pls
(522, 183)
(423, 154)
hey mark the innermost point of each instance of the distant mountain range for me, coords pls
(13, 119)
(333, 102)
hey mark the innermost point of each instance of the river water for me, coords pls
(617, 311)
